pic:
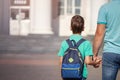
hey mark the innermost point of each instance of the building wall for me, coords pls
(4, 17)
(44, 18)
(95, 5)
(89, 11)
(86, 13)
(55, 17)
(64, 20)
(1, 16)
(55, 7)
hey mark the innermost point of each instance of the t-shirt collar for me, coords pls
(74, 36)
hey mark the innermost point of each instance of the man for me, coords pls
(108, 28)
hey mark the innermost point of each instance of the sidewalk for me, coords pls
(35, 67)
(29, 67)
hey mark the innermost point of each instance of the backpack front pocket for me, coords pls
(70, 71)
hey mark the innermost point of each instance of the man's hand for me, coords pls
(97, 60)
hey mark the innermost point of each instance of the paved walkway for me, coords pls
(29, 67)
(35, 67)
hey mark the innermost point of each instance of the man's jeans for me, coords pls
(110, 66)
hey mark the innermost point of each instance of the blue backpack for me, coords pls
(72, 64)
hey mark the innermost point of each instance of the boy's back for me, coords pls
(85, 48)
(72, 63)
(77, 26)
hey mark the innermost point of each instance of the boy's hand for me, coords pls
(96, 66)
(98, 61)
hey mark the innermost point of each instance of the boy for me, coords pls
(77, 26)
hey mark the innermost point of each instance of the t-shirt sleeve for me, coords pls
(102, 16)
(88, 49)
(62, 49)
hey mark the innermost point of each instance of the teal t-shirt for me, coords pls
(85, 49)
(109, 14)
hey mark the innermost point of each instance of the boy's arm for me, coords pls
(89, 61)
(60, 61)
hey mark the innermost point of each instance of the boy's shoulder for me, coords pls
(87, 42)
(64, 43)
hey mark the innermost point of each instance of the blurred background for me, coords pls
(31, 32)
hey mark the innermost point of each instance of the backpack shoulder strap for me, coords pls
(69, 43)
(80, 41)
(77, 45)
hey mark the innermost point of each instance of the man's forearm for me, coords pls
(97, 44)
(98, 39)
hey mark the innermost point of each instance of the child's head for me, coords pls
(77, 24)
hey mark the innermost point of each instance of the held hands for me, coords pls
(98, 61)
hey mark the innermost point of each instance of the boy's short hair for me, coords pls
(77, 24)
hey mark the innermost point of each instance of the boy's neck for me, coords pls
(77, 33)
